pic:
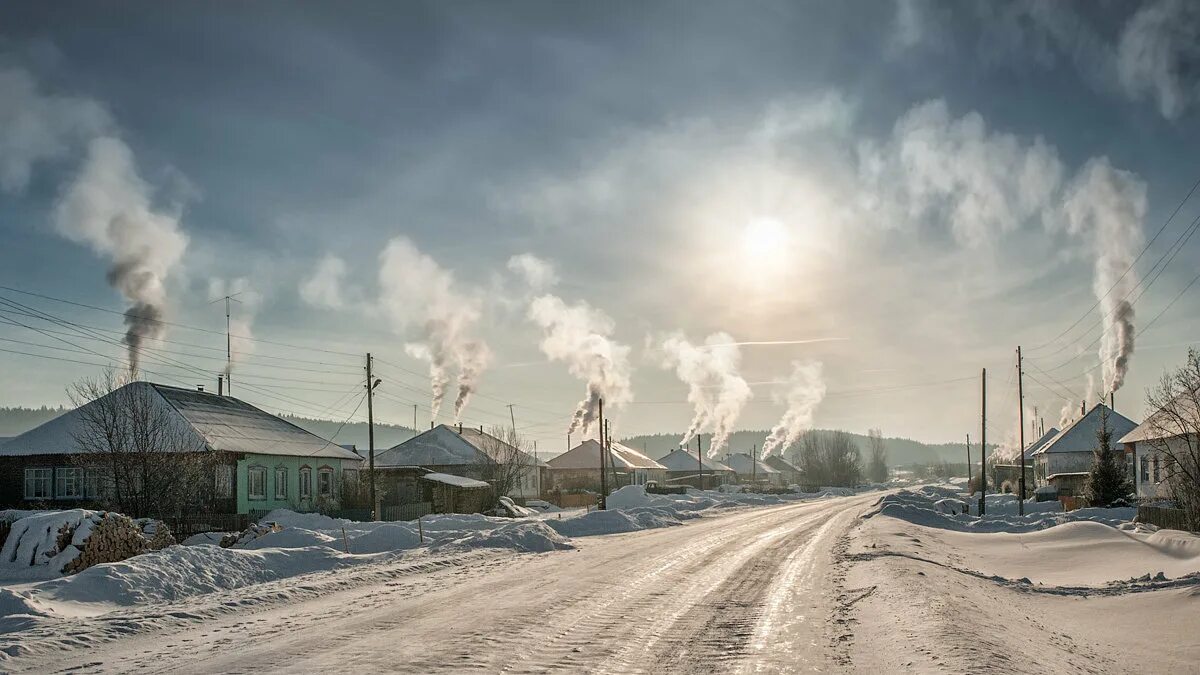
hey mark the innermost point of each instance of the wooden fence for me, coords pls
(407, 511)
(183, 527)
(1172, 519)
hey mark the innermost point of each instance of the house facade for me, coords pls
(258, 461)
(1060, 460)
(467, 452)
(1147, 447)
(749, 470)
(787, 472)
(579, 468)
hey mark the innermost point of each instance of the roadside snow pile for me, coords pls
(932, 508)
(47, 544)
(530, 537)
(615, 521)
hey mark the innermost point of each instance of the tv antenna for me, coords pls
(232, 297)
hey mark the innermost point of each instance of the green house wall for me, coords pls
(293, 465)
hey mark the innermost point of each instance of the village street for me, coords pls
(751, 591)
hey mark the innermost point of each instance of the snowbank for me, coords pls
(47, 544)
(942, 508)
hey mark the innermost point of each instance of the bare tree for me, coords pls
(139, 458)
(1175, 433)
(877, 470)
(504, 465)
(830, 459)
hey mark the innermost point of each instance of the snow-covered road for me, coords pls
(753, 590)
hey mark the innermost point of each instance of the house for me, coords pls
(1063, 459)
(788, 473)
(467, 452)
(750, 470)
(1006, 477)
(579, 467)
(1145, 446)
(683, 467)
(261, 462)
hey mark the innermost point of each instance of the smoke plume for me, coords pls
(716, 390)
(1109, 205)
(108, 207)
(806, 390)
(580, 336)
(416, 291)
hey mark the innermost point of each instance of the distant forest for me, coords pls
(901, 451)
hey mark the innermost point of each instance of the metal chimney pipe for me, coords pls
(220, 385)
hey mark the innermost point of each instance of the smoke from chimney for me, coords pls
(580, 336)
(108, 206)
(1109, 205)
(716, 390)
(806, 390)
(416, 291)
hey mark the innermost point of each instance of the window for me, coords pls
(91, 483)
(68, 482)
(256, 482)
(224, 481)
(1145, 469)
(281, 479)
(37, 483)
(305, 482)
(325, 482)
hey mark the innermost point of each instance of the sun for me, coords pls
(765, 241)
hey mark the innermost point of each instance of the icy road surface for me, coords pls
(752, 591)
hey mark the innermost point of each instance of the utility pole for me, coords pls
(603, 477)
(414, 418)
(968, 461)
(371, 384)
(228, 342)
(983, 447)
(753, 464)
(512, 416)
(1021, 417)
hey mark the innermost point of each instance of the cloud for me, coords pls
(326, 287)
(537, 273)
(1158, 56)
(37, 127)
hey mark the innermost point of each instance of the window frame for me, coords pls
(281, 486)
(33, 473)
(325, 490)
(305, 488)
(251, 472)
(61, 475)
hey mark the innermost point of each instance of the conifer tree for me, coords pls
(1108, 484)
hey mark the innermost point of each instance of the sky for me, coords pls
(715, 216)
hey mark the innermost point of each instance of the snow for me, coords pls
(457, 481)
(1089, 590)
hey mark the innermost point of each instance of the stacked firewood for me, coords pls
(113, 537)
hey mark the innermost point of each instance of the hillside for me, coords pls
(14, 421)
(900, 450)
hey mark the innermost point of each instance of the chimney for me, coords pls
(200, 388)
(220, 385)
(1082, 408)
(1112, 400)
(460, 428)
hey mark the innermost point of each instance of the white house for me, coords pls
(1064, 460)
(1145, 444)
(749, 469)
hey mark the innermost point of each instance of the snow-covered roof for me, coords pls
(456, 481)
(219, 423)
(1037, 445)
(1161, 425)
(682, 460)
(741, 463)
(1080, 435)
(586, 455)
(777, 462)
(1067, 474)
(444, 445)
